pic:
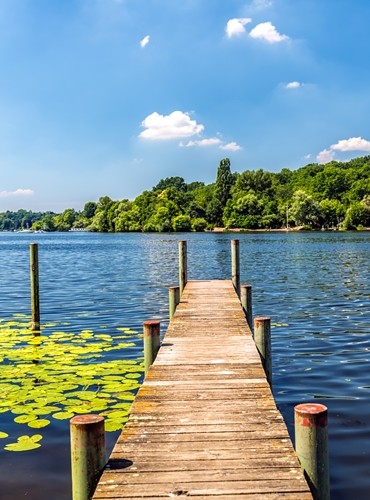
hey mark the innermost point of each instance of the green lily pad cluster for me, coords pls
(57, 375)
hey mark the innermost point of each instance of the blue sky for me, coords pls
(107, 97)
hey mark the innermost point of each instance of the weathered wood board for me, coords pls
(204, 424)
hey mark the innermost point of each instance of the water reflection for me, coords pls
(315, 287)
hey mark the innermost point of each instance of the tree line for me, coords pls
(334, 195)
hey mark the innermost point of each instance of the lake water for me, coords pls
(315, 287)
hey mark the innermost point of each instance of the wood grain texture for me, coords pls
(204, 424)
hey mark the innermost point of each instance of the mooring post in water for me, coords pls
(246, 301)
(262, 339)
(173, 299)
(35, 290)
(87, 454)
(311, 444)
(235, 265)
(151, 342)
(183, 265)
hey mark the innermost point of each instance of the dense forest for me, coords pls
(334, 195)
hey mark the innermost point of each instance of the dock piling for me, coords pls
(35, 289)
(173, 299)
(87, 454)
(311, 444)
(246, 301)
(235, 265)
(151, 342)
(262, 338)
(183, 265)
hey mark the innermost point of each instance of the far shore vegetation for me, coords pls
(331, 196)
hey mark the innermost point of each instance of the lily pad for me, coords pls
(24, 419)
(64, 373)
(25, 443)
(39, 423)
(113, 425)
(63, 415)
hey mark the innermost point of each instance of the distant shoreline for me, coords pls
(297, 229)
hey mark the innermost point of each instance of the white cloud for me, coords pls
(268, 32)
(212, 141)
(307, 157)
(17, 192)
(352, 144)
(231, 146)
(173, 126)
(235, 27)
(144, 42)
(293, 85)
(344, 145)
(325, 156)
(262, 4)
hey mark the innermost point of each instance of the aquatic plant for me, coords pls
(56, 375)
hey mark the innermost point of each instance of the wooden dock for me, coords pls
(204, 423)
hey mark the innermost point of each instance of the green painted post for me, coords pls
(87, 454)
(173, 299)
(183, 265)
(311, 444)
(235, 265)
(35, 290)
(151, 342)
(262, 338)
(246, 301)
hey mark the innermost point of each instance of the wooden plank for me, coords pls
(248, 463)
(176, 488)
(204, 424)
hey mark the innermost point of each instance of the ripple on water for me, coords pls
(315, 287)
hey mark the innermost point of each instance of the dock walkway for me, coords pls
(204, 424)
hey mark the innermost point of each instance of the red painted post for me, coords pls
(311, 444)
(87, 454)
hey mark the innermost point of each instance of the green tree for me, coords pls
(194, 186)
(89, 209)
(332, 212)
(358, 214)
(145, 206)
(65, 220)
(259, 181)
(69, 216)
(224, 182)
(102, 220)
(181, 223)
(160, 221)
(199, 224)
(175, 182)
(330, 183)
(214, 212)
(6, 224)
(304, 210)
(48, 223)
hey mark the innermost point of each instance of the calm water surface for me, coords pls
(315, 287)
